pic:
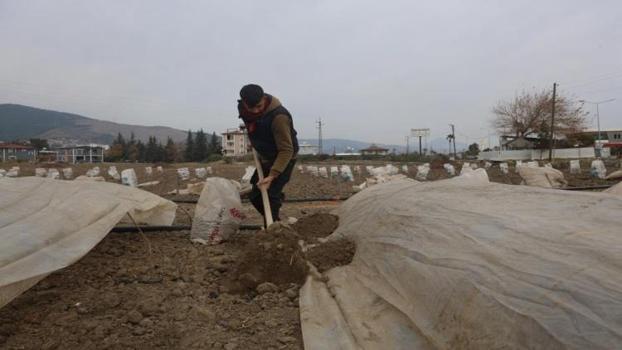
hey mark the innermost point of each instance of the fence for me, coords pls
(542, 154)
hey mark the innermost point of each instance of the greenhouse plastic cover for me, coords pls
(467, 264)
(46, 224)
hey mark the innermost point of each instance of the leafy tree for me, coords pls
(200, 147)
(170, 151)
(214, 146)
(189, 152)
(473, 150)
(39, 144)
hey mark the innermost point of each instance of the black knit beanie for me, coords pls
(251, 94)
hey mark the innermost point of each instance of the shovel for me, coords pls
(267, 211)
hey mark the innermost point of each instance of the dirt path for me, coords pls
(119, 296)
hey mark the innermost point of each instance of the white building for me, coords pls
(235, 143)
(305, 148)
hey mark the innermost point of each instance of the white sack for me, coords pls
(114, 173)
(53, 174)
(533, 164)
(93, 172)
(41, 172)
(301, 169)
(369, 169)
(487, 165)
(357, 169)
(505, 169)
(2, 172)
(209, 170)
(67, 173)
(159, 169)
(201, 173)
(13, 172)
(183, 173)
(323, 172)
(575, 166)
(248, 174)
(466, 168)
(346, 173)
(334, 171)
(422, 172)
(451, 171)
(218, 212)
(473, 166)
(128, 177)
(542, 177)
(148, 171)
(405, 168)
(467, 264)
(46, 225)
(598, 169)
(519, 163)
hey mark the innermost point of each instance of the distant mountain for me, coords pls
(19, 122)
(341, 145)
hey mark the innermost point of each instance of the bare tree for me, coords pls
(530, 114)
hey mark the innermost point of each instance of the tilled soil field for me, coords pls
(179, 295)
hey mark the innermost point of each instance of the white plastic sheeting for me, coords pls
(46, 225)
(2, 172)
(467, 264)
(546, 177)
(614, 175)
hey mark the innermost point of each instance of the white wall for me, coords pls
(536, 154)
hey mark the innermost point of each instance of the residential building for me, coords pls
(80, 154)
(13, 152)
(306, 148)
(517, 142)
(610, 138)
(375, 151)
(235, 143)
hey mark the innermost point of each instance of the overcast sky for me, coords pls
(371, 69)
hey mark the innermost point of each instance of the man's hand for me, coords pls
(266, 182)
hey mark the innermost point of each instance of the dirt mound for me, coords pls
(331, 254)
(316, 225)
(270, 256)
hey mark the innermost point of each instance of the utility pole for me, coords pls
(453, 138)
(407, 145)
(319, 136)
(598, 147)
(551, 138)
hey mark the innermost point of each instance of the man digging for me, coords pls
(271, 132)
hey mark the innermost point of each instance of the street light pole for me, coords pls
(599, 146)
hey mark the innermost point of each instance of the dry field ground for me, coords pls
(184, 295)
